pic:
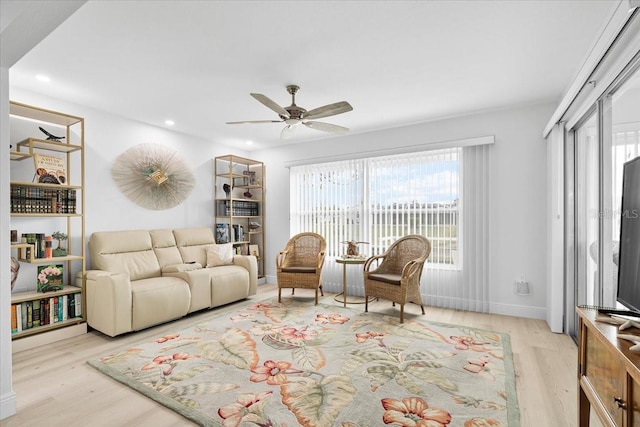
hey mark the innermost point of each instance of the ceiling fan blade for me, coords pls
(270, 104)
(287, 132)
(327, 127)
(254, 121)
(328, 110)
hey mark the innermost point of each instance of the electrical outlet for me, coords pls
(522, 286)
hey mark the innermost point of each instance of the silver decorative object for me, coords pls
(153, 176)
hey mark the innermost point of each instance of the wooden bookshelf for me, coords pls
(49, 215)
(235, 210)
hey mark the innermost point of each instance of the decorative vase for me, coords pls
(15, 268)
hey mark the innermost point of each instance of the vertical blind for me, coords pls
(379, 199)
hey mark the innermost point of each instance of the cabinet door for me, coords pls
(634, 407)
(606, 374)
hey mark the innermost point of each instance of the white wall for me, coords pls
(22, 25)
(106, 137)
(7, 395)
(518, 206)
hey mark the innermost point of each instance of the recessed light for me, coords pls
(43, 78)
(249, 142)
(169, 122)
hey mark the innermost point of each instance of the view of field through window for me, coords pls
(380, 199)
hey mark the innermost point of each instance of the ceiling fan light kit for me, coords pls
(293, 115)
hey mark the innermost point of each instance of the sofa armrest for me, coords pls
(251, 264)
(109, 302)
(179, 268)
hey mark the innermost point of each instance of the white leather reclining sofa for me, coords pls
(142, 278)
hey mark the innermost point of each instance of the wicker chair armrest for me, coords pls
(320, 260)
(411, 268)
(280, 258)
(368, 263)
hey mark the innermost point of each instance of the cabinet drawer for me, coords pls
(606, 375)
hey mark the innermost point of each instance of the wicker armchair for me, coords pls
(397, 275)
(299, 265)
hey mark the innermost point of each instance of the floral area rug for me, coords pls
(294, 363)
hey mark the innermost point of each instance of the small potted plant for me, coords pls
(60, 237)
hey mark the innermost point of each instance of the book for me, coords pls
(14, 319)
(64, 307)
(50, 277)
(56, 309)
(51, 310)
(45, 317)
(19, 316)
(23, 315)
(50, 169)
(29, 305)
(78, 300)
(36, 313)
(72, 306)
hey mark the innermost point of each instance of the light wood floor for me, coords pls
(55, 386)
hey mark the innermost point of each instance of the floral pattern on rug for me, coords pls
(290, 364)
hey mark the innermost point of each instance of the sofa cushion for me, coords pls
(393, 279)
(229, 283)
(164, 245)
(128, 252)
(299, 269)
(218, 255)
(158, 300)
(193, 243)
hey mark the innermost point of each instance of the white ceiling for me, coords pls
(396, 62)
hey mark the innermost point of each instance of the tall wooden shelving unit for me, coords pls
(240, 210)
(72, 222)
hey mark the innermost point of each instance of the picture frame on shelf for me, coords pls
(50, 169)
(251, 177)
(254, 250)
(222, 233)
(50, 277)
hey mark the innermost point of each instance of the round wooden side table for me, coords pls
(345, 262)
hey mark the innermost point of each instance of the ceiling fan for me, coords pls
(294, 115)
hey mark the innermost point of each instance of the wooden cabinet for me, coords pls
(41, 207)
(239, 205)
(608, 374)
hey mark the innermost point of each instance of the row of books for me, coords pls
(45, 311)
(36, 200)
(39, 245)
(238, 208)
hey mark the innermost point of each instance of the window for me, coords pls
(378, 200)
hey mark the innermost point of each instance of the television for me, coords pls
(628, 293)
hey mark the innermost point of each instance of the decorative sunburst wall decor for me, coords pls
(153, 176)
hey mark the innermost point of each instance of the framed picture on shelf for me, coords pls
(222, 233)
(50, 277)
(49, 169)
(251, 177)
(253, 250)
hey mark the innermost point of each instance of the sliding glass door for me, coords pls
(587, 173)
(603, 141)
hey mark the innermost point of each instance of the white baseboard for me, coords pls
(539, 313)
(8, 405)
